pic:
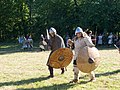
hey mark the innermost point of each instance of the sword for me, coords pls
(48, 37)
(116, 47)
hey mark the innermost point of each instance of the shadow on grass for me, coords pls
(108, 73)
(22, 82)
(63, 86)
(9, 48)
(2, 52)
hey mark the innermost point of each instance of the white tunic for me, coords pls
(80, 43)
(110, 39)
(100, 39)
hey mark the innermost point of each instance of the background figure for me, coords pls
(66, 39)
(43, 43)
(100, 41)
(89, 33)
(55, 42)
(93, 38)
(115, 38)
(110, 39)
(118, 45)
(28, 42)
(21, 39)
(104, 39)
(25, 43)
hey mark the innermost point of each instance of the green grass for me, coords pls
(27, 70)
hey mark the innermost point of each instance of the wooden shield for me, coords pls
(60, 58)
(83, 59)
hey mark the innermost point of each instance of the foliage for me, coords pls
(13, 17)
(35, 16)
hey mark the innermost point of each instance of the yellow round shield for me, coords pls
(60, 58)
(86, 55)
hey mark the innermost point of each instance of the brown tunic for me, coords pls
(55, 43)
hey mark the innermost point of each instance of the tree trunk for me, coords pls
(75, 1)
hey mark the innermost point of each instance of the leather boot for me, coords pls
(74, 81)
(51, 72)
(93, 80)
(62, 70)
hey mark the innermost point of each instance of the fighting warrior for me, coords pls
(55, 42)
(80, 41)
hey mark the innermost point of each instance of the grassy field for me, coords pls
(27, 70)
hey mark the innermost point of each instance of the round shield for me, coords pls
(61, 58)
(88, 59)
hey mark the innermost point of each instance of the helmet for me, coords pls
(52, 30)
(78, 29)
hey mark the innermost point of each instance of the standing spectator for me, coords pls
(115, 38)
(30, 42)
(104, 38)
(66, 39)
(100, 42)
(89, 33)
(43, 43)
(21, 39)
(110, 39)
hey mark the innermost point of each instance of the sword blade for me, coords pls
(116, 47)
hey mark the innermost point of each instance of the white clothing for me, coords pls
(100, 39)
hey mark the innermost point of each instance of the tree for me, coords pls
(13, 15)
(35, 16)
